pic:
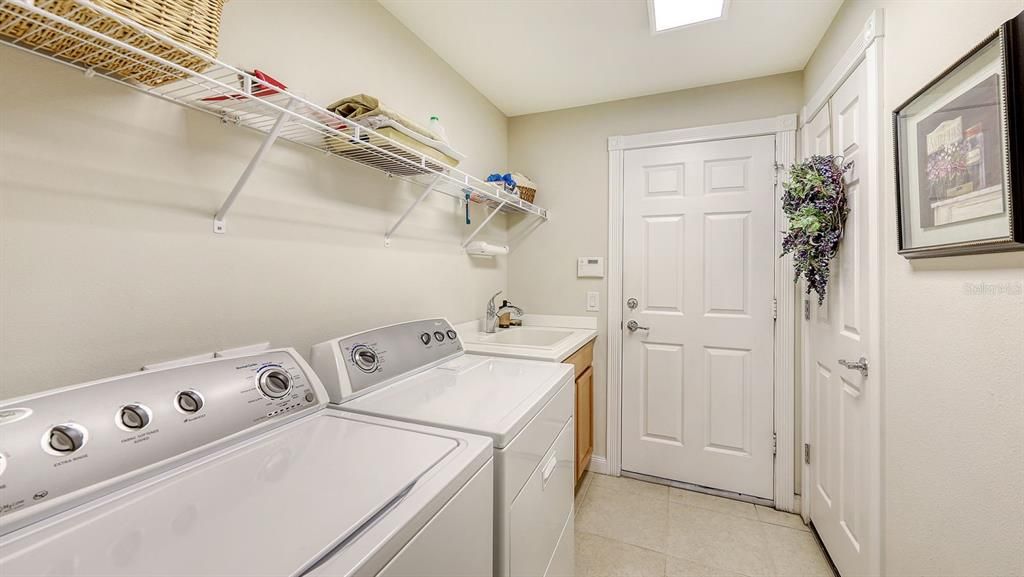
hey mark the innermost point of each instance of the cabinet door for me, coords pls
(584, 420)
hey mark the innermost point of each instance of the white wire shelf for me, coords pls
(131, 55)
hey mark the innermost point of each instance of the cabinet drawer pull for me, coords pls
(549, 468)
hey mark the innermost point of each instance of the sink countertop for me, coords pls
(581, 329)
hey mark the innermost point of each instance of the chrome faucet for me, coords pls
(493, 312)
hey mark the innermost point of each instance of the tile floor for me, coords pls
(629, 528)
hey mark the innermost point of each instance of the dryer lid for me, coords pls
(489, 396)
(271, 506)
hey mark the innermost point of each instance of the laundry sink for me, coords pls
(522, 337)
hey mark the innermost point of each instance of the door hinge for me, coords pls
(775, 309)
(775, 444)
(807, 453)
(807, 310)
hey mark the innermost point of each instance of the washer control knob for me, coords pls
(189, 401)
(425, 337)
(134, 416)
(275, 383)
(365, 358)
(451, 335)
(67, 438)
(438, 336)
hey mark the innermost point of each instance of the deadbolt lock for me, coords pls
(632, 303)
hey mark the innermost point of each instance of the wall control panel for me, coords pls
(57, 444)
(590, 267)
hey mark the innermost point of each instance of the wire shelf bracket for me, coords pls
(408, 211)
(219, 226)
(483, 224)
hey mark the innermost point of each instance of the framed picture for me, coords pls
(960, 154)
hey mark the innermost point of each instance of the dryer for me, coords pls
(234, 466)
(418, 372)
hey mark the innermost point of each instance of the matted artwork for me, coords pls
(958, 153)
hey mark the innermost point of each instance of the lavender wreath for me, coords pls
(815, 203)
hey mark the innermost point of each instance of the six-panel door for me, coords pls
(838, 330)
(698, 255)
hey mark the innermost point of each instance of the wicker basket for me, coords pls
(195, 23)
(527, 194)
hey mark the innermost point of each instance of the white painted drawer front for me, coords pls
(539, 513)
(523, 455)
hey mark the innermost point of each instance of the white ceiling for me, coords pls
(534, 55)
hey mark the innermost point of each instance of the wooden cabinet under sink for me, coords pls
(583, 359)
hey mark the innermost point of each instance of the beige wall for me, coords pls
(567, 151)
(107, 260)
(953, 404)
(107, 257)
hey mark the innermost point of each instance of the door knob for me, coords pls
(860, 364)
(634, 326)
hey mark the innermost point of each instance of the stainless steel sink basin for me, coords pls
(522, 337)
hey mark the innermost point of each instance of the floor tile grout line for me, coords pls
(756, 517)
(730, 513)
(615, 490)
(662, 553)
(784, 526)
(760, 524)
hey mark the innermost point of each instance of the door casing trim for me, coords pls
(784, 129)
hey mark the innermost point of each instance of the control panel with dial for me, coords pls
(356, 363)
(59, 444)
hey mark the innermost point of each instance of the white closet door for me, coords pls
(838, 330)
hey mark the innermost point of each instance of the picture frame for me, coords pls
(959, 154)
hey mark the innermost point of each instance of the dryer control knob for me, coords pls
(275, 383)
(189, 401)
(66, 438)
(365, 358)
(134, 416)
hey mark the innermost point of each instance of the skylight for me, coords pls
(669, 14)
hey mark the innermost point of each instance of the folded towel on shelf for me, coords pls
(361, 106)
(381, 121)
(367, 111)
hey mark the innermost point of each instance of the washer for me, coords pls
(418, 372)
(234, 466)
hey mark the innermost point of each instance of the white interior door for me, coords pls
(838, 330)
(698, 257)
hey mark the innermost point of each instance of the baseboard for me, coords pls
(598, 465)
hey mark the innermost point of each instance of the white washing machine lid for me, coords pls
(274, 505)
(490, 396)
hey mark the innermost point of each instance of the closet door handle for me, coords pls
(860, 364)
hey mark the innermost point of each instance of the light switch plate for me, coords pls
(593, 301)
(590, 267)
